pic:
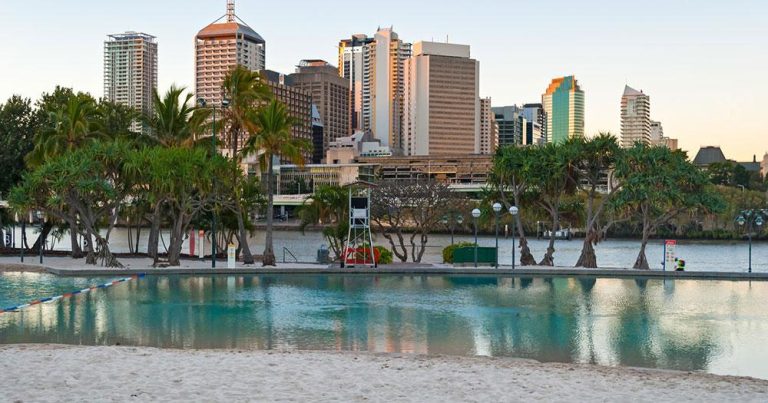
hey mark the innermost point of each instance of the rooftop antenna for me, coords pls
(230, 10)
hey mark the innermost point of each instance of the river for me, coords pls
(699, 255)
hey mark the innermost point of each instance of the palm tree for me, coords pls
(174, 122)
(245, 90)
(70, 128)
(271, 137)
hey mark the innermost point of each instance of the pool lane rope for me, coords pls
(70, 294)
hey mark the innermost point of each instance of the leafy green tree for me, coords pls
(115, 120)
(510, 180)
(329, 207)
(18, 124)
(270, 137)
(174, 122)
(552, 176)
(594, 162)
(660, 184)
(179, 180)
(86, 180)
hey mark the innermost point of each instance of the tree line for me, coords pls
(78, 161)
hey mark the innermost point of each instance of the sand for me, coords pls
(73, 373)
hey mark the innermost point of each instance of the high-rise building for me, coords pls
(297, 101)
(318, 136)
(537, 121)
(489, 129)
(353, 63)
(374, 67)
(512, 125)
(564, 107)
(220, 47)
(635, 117)
(130, 72)
(330, 94)
(442, 103)
(657, 132)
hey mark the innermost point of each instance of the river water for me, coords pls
(699, 255)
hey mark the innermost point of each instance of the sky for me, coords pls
(702, 62)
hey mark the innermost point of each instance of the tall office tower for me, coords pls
(489, 128)
(330, 94)
(442, 103)
(353, 60)
(130, 72)
(220, 47)
(512, 125)
(657, 132)
(635, 117)
(374, 67)
(534, 113)
(299, 105)
(564, 105)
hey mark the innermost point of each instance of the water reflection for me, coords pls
(688, 325)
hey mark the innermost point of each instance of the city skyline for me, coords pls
(694, 60)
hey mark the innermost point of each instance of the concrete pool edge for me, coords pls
(536, 271)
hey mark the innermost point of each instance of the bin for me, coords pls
(323, 255)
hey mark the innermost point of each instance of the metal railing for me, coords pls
(288, 251)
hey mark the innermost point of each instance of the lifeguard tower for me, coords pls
(359, 250)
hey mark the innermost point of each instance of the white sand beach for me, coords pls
(74, 373)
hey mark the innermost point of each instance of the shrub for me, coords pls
(448, 250)
(385, 255)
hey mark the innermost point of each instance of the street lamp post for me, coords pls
(224, 104)
(750, 218)
(476, 215)
(497, 209)
(513, 210)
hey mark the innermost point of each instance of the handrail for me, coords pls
(289, 252)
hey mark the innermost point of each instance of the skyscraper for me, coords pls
(442, 103)
(512, 125)
(298, 104)
(564, 105)
(353, 63)
(374, 67)
(220, 47)
(130, 71)
(537, 121)
(657, 132)
(330, 94)
(635, 117)
(489, 128)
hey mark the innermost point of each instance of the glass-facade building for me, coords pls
(564, 106)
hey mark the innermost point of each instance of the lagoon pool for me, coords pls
(714, 326)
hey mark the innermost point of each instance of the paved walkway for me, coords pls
(65, 266)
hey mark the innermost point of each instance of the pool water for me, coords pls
(714, 326)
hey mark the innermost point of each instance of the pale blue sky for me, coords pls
(703, 62)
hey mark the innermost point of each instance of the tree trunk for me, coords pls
(243, 237)
(642, 261)
(588, 259)
(177, 238)
(154, 232)
(90, 256)
(549, 259)
(526, 257)
(74, 244)
(269, 252)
